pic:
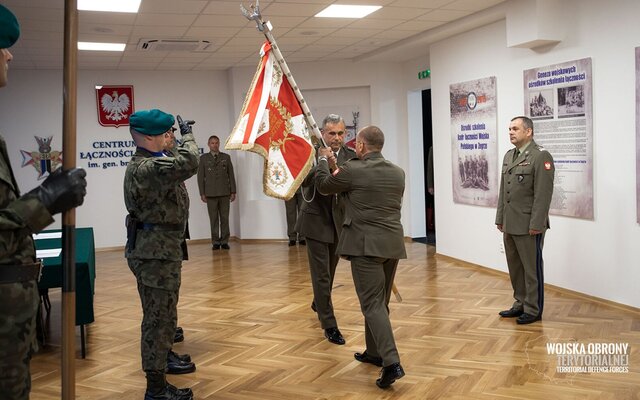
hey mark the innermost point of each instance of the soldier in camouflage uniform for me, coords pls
(155, 232)
(20, 216)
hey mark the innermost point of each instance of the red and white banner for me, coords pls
(272, 124)
(115, 105)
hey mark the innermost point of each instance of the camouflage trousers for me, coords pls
(18, 310)
(158, 286)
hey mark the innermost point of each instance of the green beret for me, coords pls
(9, 28)
(151, 122)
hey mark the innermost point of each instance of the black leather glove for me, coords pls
(62, 190)
(185, 126)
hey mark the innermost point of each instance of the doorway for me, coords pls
(427, 142)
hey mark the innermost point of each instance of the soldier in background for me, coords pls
(526, 189)
(155, 233)
(217, 185)
(292, 208)
(20, 217)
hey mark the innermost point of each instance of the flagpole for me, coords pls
(69, 217)
(265, 28)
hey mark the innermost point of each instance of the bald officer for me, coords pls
(20, 217)
(155, 232)
(371, 238)
(526, 187)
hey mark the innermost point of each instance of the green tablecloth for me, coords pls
(85, 271)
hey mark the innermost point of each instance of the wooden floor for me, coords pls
(252, 334)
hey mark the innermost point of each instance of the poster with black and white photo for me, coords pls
(638, 134)
(559, 100)
(473, 142)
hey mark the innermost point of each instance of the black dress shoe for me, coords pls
(178, 336)
(511, 313)
(334, 335)
(216, 246)
(292, 243)
(302, 242)
(389, 374)
(177, 367)
(170, 392)
(528, 318)
(225, 246)
(365, 358)
(175, 357)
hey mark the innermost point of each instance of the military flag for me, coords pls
(272, 124)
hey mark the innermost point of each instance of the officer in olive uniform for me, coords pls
(372, 239)
(292, 209)
(217, 185)
(320, 221)
(526, 188)
(155, 233)
(20, 217)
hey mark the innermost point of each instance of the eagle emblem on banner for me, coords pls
(273, 125)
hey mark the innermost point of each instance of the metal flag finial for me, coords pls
(254, 15)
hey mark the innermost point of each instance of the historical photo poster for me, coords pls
(473, 142)
(558, 98)
(638, 134)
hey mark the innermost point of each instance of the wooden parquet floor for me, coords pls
(251, 332)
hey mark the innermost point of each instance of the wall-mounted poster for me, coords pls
(558, 98)
(638, 134)
(473, 142)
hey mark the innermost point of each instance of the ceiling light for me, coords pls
(347, 11)
(101, 46)
(127, 6)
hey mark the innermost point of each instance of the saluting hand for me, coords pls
(185, 126)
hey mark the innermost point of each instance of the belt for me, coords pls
(20, 273)
(145, 226)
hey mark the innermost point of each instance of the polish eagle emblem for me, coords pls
(115, 106)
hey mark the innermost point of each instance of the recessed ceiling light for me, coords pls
(101, 46)
(127, 6)
(347, 11)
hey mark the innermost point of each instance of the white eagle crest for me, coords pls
(115, 106)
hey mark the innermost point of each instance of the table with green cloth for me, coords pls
(85, 273)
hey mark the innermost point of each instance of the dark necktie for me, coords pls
(516, 154)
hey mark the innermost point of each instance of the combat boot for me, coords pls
(159, 389)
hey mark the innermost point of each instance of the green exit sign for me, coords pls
(424, 74)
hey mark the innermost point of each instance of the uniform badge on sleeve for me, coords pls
(547, 165)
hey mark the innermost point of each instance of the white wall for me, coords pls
(31, 105)
(598, 257)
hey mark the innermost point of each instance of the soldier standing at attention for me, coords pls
(526, 187)
(155, 232)
(217, 186)
(21, 216)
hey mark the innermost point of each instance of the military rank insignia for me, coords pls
(44, 160)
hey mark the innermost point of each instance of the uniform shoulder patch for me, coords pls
(548, 165)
